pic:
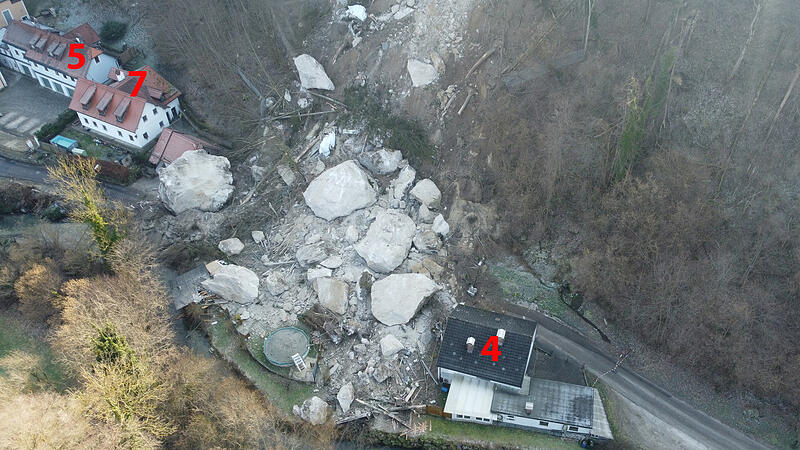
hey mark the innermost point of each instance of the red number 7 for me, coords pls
(141, 74)
(491, 348)
(79, 56)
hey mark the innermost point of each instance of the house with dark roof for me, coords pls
(44, 54)
(113, 112)
(496, 389)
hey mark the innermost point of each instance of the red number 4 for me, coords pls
(79, 56)
(491, 348)
(141, 74)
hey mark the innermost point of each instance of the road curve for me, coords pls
(17, 170)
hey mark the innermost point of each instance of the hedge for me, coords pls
(50, 130)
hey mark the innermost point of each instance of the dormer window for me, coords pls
(102, 105)
(122, 108)
(87, 96)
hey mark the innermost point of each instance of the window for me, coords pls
(97, 59)
(7, 15)
(543, 423)
(573, 428)
(487, 420)
(155, 111)
(459, 416)
(85, 120)
(161, 124)
(95, 123)
(119, 133)
(467, 417)
(510, 418)
(44, 82)
(145, 135)
(104, 128)
(144, 118)
(130, 136)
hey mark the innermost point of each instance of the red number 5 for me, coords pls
(141, 74)
(491, 348)
(79, 56)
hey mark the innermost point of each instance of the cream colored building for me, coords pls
(12, 10)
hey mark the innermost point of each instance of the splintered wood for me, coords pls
(417, 429)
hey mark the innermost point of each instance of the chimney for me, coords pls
(120, 75)
(528, 408)
(470, 344)
(501, 336)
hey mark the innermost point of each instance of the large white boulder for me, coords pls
(388, 241)
(196, 180)
(427, 193)
(314, 411)
(332, 294)
(440, 226)
(396, 298)
(403, 181)
(381, 162)
(230, 247)
(339, 191)
(233, 283)
(312, 74)
(346, 396)
(422, 74)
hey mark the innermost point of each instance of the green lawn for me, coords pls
(497, 435)
(517, 284)
(281, 392)
(86, 142)
(14, 336)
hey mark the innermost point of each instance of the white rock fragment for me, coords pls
(312, 74)
(440, 226)
(310, 254)
(332, 262)
(381, 162)
(345, 396)
(390, 345)
(403, 181)
(422, 74)
(318, 273)
(339, 191)
(314, 411)
(286, 174)
(398, 297)
(276, 283)
(328, 143)
(402, 13)
(427, 193)
(258, 236)
(233, 283)
(425, 215)
(351, 234)
(426, 241)
(196, 180)
(387, 242)
(332, 294)
(230, 247)
(357, 12)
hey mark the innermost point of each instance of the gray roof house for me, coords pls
(501, 392)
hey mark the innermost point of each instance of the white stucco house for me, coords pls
(43, 54)
(489, 391)
(112, 112)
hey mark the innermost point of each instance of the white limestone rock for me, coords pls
(332, 262)
(357, 12)
(403, 181)
(425, 215)
(351, 234)
(230, 247)
(427, 193)
(332, 294)
(258, 236)
(346, 396)
(312, 74)
(381, 162)
(339, 191)
(196, 180)
(390, 345)
(311, 254)
(286, 174)
(398, 297)
(440, 226)
(318, 273)
(426, 241)
(276, 283)
(387, 242)
(314, 411)
(422, 74)
(233, 283)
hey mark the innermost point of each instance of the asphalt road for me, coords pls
(17, 170)
(675, 412)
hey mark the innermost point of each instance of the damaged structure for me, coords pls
(501, 392)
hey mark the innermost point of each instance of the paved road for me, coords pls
(38, 174)
(675, 412)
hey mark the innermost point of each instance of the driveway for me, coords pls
(26, 106)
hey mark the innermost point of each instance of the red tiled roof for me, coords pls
(156, 89)
(85, 32)
(171, 145)
(132, 114)
(21, 35)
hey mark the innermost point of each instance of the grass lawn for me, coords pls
(281, 392)
(86, 142)
(499, 436)
(14, 336)
(518, 284)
